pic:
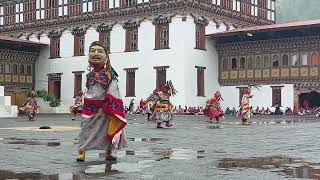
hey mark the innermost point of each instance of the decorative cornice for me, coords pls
(79, 31)
(268, 81)
(17, 55)
(161, 20)
(54, 34)
(269, 45)
(131, 25)
(140, 10)
(104, 28)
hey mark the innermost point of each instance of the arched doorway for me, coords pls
(309, 100)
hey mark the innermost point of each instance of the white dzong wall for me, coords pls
(182, 57)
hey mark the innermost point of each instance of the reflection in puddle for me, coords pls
(293, 167)
(47, 142)
(152, 139)
(26, 175)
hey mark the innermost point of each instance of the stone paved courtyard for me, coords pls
(284, 147)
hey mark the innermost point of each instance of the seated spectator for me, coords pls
(234, 111)
(267, 111)
(138, 110)
(180, 110)
(228, 111)
(262, 111)
(288, 111)
(201, 111)
(257, 110)
(174, 110)
(278, 111)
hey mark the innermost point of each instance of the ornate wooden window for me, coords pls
(131, 39)
(30, 11)
(9, 15)
(200, 81)
(29, 70)
(161, 76)
(79, 41)
(271, 9)
(251, 62)
(15, 69)
(54, 84)
(304, 60)
(234, 63)
(236, 5)
(1, 16)
(87, 6)
(226, 4)
(75, 7)
(259, 62)
(225, 64)
(19, 13)
(63, 8)
(314, 59)
(51, 9)
(7, 68)
(1, 68)
(285, 60)
(40, 9)
(22, 71)
(77, 82)
(295, 60)
(254, 7)
(161, 25)
(216, 2)
(200, 36)
(55, 47)
(276, 95)
(130, 82)
(266, 61)
(100, 5)
(275, 61)
(104, 37)
(128, 2)
(242, 63)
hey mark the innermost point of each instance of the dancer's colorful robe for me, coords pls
(161, 107)
(103, 112)
(214, 110)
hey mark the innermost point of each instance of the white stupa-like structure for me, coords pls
(6, 109)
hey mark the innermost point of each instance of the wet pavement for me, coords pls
(273, 147)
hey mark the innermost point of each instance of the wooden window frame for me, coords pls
(236, 5)
(162, 36)
(317, 56)
(276, 95)
(200, 81)
(130, 82)
(54, 47)
(200, 36)
(105, 38)
(77, 82)
(79, 42)
(132, 39)
(161, 76)
(271, 10)
(254, 7)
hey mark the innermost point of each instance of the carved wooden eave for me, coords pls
(104, 28)
(200, 20)
(162, 20)
(12, 55)
(203, 8)
(79, 31)
(131, 25)
(306, 42)
(54, 34)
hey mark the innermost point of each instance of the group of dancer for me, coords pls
(104, 121)
(214, 111)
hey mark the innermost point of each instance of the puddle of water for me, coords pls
(293, 167)
(47, 142)
(152, 139)
(110, 168)
(26, 175)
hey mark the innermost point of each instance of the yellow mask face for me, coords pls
(97, 55)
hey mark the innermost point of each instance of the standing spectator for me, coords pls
(131, 106)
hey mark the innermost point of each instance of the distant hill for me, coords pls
(297, 10)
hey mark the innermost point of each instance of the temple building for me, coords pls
(150, 41)
(283, 59)
(17, 67)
